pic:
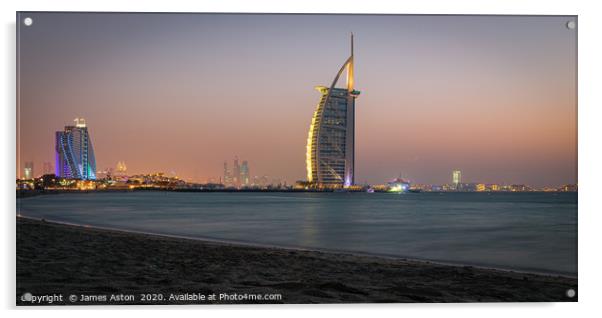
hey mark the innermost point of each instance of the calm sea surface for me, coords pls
(523, 231)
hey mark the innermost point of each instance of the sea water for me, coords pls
(519, 231)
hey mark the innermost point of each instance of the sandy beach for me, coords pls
(87, 264)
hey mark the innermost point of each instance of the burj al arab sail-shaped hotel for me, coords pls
(331, 140)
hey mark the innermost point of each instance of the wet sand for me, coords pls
(73, 260)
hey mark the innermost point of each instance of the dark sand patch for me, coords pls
(55, 258)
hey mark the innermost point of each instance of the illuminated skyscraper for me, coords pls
(28, 170)
(227, 175)
(331, 139)
(456, 178)
(236, 173)
(74, 152)
(244, 174)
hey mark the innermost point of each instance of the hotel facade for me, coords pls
(74, 152)
(330, 156)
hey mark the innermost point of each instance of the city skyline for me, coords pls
(237, 177)
(493, 98)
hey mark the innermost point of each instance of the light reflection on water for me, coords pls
(524, 231)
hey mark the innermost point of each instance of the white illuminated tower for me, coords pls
(330, 156)
(456, 178)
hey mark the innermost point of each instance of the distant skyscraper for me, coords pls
(48, 168)
(236, 173)
(456, 178)
(330, 149)
(227, 175)
(244, 174)
(74, 152)
(28, 170)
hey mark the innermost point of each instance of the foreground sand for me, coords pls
(71, 260)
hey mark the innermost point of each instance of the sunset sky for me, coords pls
(493, 96)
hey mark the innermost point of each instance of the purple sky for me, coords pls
(493, 96)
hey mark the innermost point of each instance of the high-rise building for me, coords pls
(330, 149)
(456, 178)
(74, 152)
(28, 170)
(245, 179)
(227, 175)
(236, 173)
(48, 168)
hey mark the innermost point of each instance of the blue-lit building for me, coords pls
(330, 152)
(74, 152)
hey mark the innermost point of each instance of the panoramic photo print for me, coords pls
(197, 158)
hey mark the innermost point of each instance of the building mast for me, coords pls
(350, 69)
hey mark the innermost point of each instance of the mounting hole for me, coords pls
(571, 25)
(570, 293)
(28, 21)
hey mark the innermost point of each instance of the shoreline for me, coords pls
(22, 194)
(75, 259)
(304, 249)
